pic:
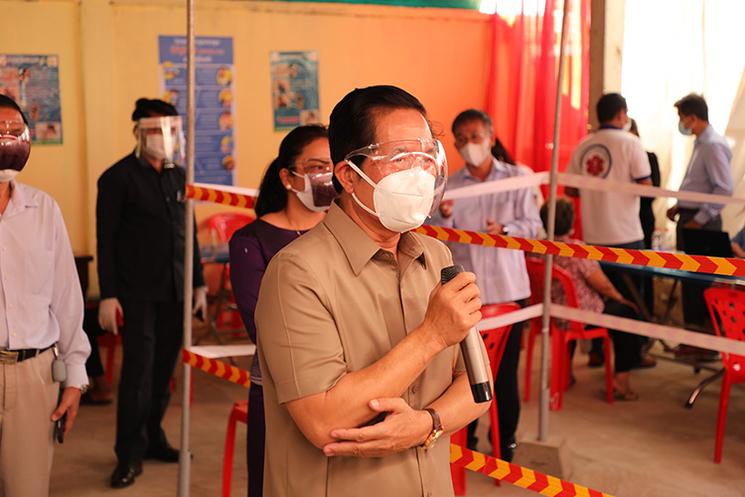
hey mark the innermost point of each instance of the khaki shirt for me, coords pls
(330, 303)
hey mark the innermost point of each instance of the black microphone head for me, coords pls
(450, 272)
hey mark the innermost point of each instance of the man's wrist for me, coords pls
(432, 342)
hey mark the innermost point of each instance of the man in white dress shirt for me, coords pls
(41, 317)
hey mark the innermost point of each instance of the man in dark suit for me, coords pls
(141, 235)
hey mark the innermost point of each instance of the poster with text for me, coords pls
(295, 89)
(33, 82)
(214, 160)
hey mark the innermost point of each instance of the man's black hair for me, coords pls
(8, 103)
(151, 107)
(471, 115)
(352, 122)
(609, 105)
(693, 105)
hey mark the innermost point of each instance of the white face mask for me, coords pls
(683, 130)
(627, 126)
(475, 153)
(7, 175)
(318, 193)
(155, 146)
(402, 200)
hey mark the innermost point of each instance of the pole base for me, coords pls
(551, 457)
(481, 392)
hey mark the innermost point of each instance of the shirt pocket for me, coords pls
(39, 274)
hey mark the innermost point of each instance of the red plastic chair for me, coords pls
(239, 413)
(560, 339)
(217, 231)
(495, 341)
(727, 309)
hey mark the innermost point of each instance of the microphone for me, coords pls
(470, 349)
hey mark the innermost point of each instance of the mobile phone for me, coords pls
(199, 315)
(59, 429)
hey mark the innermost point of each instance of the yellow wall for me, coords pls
(109, 58)
(54, 28)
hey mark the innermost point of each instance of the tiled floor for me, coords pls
(650, 448)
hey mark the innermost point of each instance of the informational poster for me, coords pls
(294, 88)
(214, 160)
(33, 82)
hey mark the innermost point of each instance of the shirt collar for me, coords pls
(706, 135)
(19, 199)
(358, 247)
(496, 167)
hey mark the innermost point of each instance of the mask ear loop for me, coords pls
(369, 182)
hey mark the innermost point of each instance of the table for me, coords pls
(677, 275)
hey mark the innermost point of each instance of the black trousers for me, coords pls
(151, 341)
(627, 348)
(506, 392)
(694, 309)
(256, 435)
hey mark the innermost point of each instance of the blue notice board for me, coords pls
(214, 160)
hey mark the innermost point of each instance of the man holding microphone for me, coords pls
(358, 339)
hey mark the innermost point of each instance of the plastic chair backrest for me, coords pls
(495, 339)
(221, 226)
(727, 309)
(537, 273)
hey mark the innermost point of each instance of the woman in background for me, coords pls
(596, 293)
(295, 193)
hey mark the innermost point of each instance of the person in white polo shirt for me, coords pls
(611, 218)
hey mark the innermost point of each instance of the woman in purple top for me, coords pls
(295, 193)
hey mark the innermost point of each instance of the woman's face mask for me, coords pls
(319, 191)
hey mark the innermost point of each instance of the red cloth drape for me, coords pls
(524, 65)
(521, 91)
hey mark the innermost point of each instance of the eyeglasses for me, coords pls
(475, 137)
(399, 155)
(314, 165)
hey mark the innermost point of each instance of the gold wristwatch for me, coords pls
(436, 432)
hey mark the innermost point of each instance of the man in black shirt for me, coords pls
(140, 234)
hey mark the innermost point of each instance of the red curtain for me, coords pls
(524, 66)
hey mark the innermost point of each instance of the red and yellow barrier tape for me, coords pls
(196, 192)
(518, 475)
(694, 263)
(459, 456)
(217, 368)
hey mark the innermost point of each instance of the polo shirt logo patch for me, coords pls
(596, 161)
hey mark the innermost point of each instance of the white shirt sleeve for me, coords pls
(67, 307)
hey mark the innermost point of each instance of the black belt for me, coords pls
(15, 356)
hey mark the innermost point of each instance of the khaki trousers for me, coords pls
(28, 397)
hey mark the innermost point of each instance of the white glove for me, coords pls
(109, 313)
(200, 301)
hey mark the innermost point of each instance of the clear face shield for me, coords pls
(15, 147)
(411, 177)
(161, 139)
